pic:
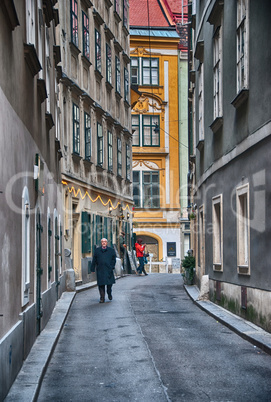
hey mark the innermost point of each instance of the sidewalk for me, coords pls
(246, 329)
(27, 384)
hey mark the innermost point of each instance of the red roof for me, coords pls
(139, 14)
(162, 13)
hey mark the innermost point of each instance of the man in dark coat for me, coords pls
(104, 261)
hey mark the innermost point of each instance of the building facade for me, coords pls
(159, 124)
(230, 136)
(96, 129)
(32, 275)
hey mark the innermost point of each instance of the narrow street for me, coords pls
(152, 343)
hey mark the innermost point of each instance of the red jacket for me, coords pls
(139, 250)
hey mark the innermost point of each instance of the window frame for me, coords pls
(217, 221)
(108, 64)
(128, 162)
(98, 51)
(141, 185)
(150, 68)
(76, 128)
(117, 6)
(110, 150)
(126, 85)
(243, 229)
(85, 35)
(217, 72)
(201, 101)
(74, 22)
(125, 14)
(242, 38)
(87, 127)
(118, 74)
(136, 67)
(119, 157)
(152, 127)
(100, 144)
(139, 130)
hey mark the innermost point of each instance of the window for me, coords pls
(201, 237)
(86, 232)
(151, 132)
(30, 22)
(98, 53)
(119, 158)
(117, 6)
(200, 100)
(85, 35)
(110, 151)
(126, 85)
(136, 130)
(150, 71)
(87, 137)
(135, 70)
(76, 130)
(146, 130)
(125, 13)
(243, 235)
(99, 144)
(108, 64)
(117, 74)
(146, 190)
(49, 247)
(217, 72)
(242, 44)
(217, 233)
(128, 162)
(74, 22)
(25, 247)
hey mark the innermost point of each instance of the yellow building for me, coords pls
(155, 58)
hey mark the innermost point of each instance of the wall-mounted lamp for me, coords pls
(128, 215)
(27, 210)
(156, 129)
(110, 209)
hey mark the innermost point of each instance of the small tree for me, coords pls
(188, 263)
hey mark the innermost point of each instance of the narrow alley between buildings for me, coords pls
(151, 343)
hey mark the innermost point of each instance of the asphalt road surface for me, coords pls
(151, 343)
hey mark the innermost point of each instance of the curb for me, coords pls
(246, 329)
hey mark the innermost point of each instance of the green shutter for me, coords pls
(86, 232)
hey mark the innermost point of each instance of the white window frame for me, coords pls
(201, 102)
(217, 71)
(30, 22)
(217, 221)
(201, 237)
(242, 40)
(243, 229)
(25, 247)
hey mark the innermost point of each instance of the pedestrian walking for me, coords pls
(104, 261)
(140, 255)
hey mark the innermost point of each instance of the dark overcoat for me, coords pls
(104, 261)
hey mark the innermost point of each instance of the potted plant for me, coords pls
(188, 266)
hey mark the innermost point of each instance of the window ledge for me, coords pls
(108, 33)
(117, 46)
(127, 104)
(49, 121)
(109, 86)
(240, 98)
(87, 3)
(10, 13)
(98, 75)
(76, 157)
(74, 49)
(215, 13)
(117, 16)
(243, 270)
(118, 96)
(216, 124)
(42, 89)
(125, 30)
(86, 60)
(109, 3)
(100, 167)
(217, 267)
(32, 59)
(87, 163)
(125, 57)
(200, 145)
(97, 17)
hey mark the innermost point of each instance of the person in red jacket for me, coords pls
(140, 255)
